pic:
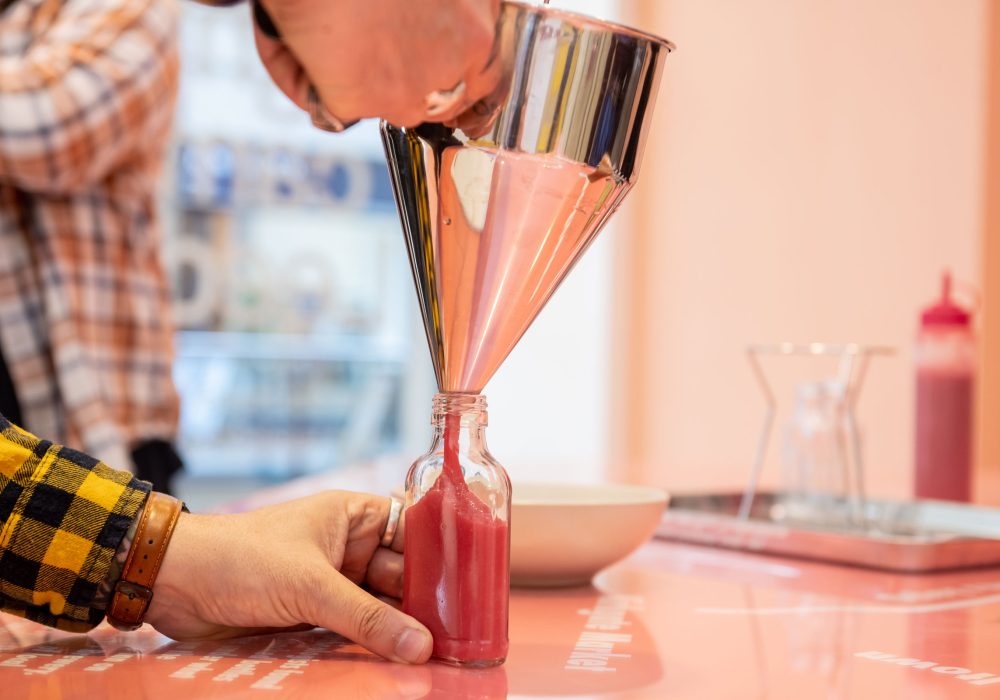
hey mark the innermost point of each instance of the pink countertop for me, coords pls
(670, 621)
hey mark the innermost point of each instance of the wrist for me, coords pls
(193, 578)
(178, 573)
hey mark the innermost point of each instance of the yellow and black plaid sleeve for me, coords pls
(62, 516)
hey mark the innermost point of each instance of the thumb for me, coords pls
(343, 607)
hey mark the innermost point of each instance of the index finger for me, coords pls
(283, 68)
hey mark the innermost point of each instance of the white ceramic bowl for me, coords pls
(563, 534)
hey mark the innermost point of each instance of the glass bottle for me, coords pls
(457, 538)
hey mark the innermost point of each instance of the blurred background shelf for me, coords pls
(202, 345)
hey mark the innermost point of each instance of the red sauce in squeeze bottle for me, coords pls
(946, 365)
(456, 571)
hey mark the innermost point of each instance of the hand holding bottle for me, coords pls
(295, 565)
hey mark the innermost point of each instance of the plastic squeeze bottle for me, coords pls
(945, 365)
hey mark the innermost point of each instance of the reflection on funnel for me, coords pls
(496, 216)
(510, 226)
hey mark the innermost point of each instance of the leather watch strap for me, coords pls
(134, 589)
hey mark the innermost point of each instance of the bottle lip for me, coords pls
(459, 403)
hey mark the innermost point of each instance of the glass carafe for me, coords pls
(815, 454)
(457, 537)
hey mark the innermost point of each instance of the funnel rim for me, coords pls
(597, 21)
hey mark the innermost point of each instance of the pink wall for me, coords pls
(814, 165)
(989, 404)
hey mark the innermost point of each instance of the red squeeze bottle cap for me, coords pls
(945, 312)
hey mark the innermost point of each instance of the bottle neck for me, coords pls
(469, 410)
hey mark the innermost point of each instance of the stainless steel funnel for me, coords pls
(496, 213)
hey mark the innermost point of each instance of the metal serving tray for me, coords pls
(906, 536)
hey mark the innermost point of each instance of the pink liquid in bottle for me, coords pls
(457, 578)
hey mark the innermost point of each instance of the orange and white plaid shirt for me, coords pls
(87, 91)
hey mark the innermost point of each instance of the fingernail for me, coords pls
(412, 645)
